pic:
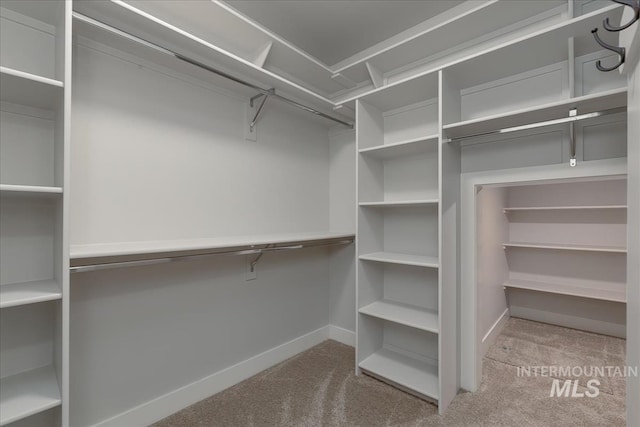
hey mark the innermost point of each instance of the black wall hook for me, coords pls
(635, 5)
(619, 50)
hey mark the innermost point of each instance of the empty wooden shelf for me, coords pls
(28, 190)
(404, 314)
(563, 208)
(29, 89)
(402, 148)
(564, 289)
(403, 259)
(29, 293)
(28, 393)
(404, 371)
(566, 247)
(396, 203)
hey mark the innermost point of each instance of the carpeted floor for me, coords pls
(319, 388)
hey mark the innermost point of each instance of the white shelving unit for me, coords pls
(402, 337)
(34, 119)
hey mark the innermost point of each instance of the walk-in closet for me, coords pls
(322, 213)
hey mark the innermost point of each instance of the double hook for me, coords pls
(635, 5)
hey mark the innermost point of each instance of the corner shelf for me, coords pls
(408, 372)
(28, 393)
(403, 314)
(566, 247)
(562, 289)
(29, 190)
(403, 148)
(402, 259)
(29, 293)
(562, 208)
(23, 88)
(396, 203)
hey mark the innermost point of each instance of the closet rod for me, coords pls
(568, 119)
(269, 92)
(180, 258)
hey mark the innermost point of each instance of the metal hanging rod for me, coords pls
(266, 92)
(569, 119)
(182, 258)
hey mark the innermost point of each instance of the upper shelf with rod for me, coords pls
(131, 30)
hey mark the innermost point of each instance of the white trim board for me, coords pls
(470, 344)
(167, 404)
(492, 334)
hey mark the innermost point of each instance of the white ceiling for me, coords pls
(333, 30)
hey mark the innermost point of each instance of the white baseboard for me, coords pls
(342, 335)
(491, 336)
(163, 406)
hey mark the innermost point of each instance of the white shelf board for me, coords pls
(28, 393)
(555, 110)
(397, 203)
(403, 314)
(403, 148)
(404, 371)
(146, 26)
(563, 208)
(14, 294)
(567, 247)
(475, 21)
(100, 250)
(18, 87)
(45, 11)
(29, 190)
(403, 259)
(410, 92)
(563, 289)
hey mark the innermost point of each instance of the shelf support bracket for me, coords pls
(260, 107)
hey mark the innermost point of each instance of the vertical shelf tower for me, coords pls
(35, 85)
(406, 276)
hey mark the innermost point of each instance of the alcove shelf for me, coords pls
(397, 203)
(566, 247)
(29, 293)
(403, 314)
(29, 89)
(565, 289)
(402, 259)
(402, 148)
(562, 208)
(409, 373)
(28, 393)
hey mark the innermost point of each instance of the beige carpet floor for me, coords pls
(319, 388)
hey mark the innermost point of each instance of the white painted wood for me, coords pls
(262, 54)
(578, 291)
(449, 167)
(162, 406)
(28, 393)
(375, 75)
(414, 374)
(492, 334)
(631, 40)
(344, 336)
(585, 104)
(403, 314)
(590, 80)
(14, 294)
(564, 208)
(26, 190)
(29, 89)
(390, 97)
(566, 247)
(395, 203)
(402, 259)
(102, 250)
(402, 148)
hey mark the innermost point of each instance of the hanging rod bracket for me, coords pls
(572, 139)
(260, 107)
(258, 96)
